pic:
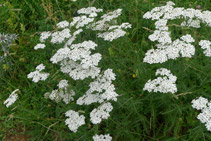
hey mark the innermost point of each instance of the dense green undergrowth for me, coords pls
(137, 115)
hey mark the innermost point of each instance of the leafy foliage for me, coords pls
(137, 115)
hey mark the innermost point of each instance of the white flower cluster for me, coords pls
(78, 61)
(91, 11)
(74, 121)
(12, 98)
(103, 25)
(44, 35)
(63, 84)
(100, 90)
(63, 24)
(110, 32)
(114, 32)
(100, 113)
(206, 45)
(166, 48)
(165, 84)
(106, 137)
(60, 36)
(38, 46)
(205, 116)
(172, 50)
(38, 75)
(63, 93)
(81, 21)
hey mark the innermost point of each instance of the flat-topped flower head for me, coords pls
(199, 103)
(165, 84)
(166, 48)
(39, 46)
(101, 137)
(114, 32)
(62, 93)
(100, 90)
(172, 50)
(63, 84)
(60, 36)
(205, 106)
(44, 35)
(38, 75)
(63, 24)
(101, 113)
(12, 98)
(74, 120)
(91, 11)
(206, 45)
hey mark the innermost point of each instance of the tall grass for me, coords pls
(137, 115)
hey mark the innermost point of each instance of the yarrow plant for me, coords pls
(205, 106)
(38, 75)
(106, 137)
(166, 48)
(206, 45)
(78, 61)
(64, 93)
(12, 98)
(165, 84)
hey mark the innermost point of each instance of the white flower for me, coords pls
(191, 23)
(76, 71)
(102, 25)
(40, 67)
(44, 35)
(205, 116)
(12, 98)
(81, 21)
(101, 113)
(165, 84)
(63, 84)
(63, 93)
(106, 137)
(170, 3)
(74, 121)
(162, 37)
(39, 46)
(112, 15)
(77, 60)
(114, 32)
(60, 36)
(59, 95)
(62, 24)
(110, 36)
(171, 50)
(91, 11)
(199, 103)
(37, 75)
(100, 90)
(206, 45)
(155, 56)
(166, 48)
(72, 39)
(60, 55)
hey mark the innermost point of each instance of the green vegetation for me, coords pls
(137, 115)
